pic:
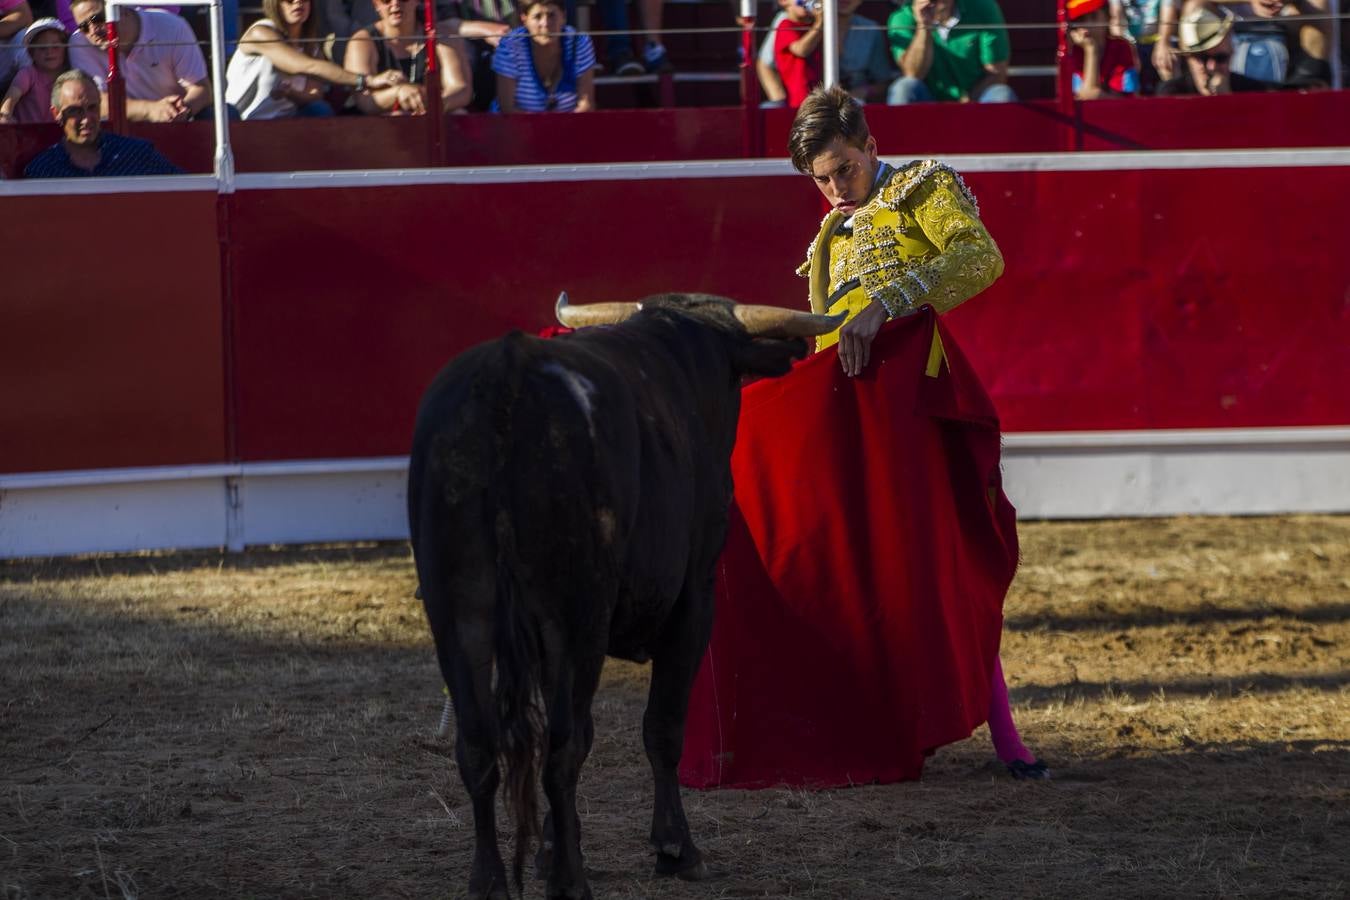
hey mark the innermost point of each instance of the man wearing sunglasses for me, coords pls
(84, 150)
(1205, 42)
(162, 64)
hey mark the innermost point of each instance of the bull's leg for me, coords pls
(673, 669)
(476, 754)
(462, 629)
(571, 734)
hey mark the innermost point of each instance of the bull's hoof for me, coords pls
(581, 893)
(685, 870)
(495, 891)
(1034, 771)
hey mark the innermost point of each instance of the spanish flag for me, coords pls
(860, 594)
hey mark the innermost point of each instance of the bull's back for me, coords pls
(525, 437)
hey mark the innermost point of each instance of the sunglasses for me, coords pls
(1220, 59)
(97, 20)
(91, 111)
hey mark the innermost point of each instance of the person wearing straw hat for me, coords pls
(1205, 43)
(29, 96)
(1103, 65)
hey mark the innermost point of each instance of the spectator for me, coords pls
(395, 43)
(1149, 23)
(545, 66)
(481, 25)
(279, 70)
(340, 19)
(61, 9)
(865, 68)
(15, 16)
(1205, 42)
(161, 64)
(770, 82)
(84, 150)
(1272, 44)
(950, 51)
(1103, 65)
(30, 94)
(619, 44)
(796, 49)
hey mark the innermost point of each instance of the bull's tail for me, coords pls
(518, 713)
(517, 651)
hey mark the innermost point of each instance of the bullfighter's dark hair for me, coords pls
(825, 114)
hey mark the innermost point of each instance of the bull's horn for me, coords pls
(592, 313)
(774, 321)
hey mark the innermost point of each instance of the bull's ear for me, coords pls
(767, 356)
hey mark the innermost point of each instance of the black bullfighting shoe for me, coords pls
(1032, 771)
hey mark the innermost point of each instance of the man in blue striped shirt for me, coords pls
(85, 151)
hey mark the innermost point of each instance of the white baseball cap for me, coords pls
(41, 25)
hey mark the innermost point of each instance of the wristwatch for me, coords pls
(360, 84)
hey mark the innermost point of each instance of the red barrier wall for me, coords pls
(1132, 300)
(336, 341)
(1166, 299)
(110, 333)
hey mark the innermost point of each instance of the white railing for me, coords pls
(224, 157)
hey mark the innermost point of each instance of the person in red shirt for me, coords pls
(1103, 65)
(797, 52)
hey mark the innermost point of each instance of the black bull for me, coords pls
(567, 500)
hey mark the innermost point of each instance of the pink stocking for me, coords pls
(1007, 742)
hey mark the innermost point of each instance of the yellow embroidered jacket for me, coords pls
(918, 239)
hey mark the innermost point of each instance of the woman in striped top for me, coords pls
(544, 66)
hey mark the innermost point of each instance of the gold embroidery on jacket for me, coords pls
(918, 240)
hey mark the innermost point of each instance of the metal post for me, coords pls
(224, 158)
(1064, 83)
(117, 89)
(435, 115)
(1334, 57)
(750, 111)
(830, 10)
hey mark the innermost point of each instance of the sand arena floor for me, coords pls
(260, 725)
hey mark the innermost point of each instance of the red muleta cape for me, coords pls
(860, 594)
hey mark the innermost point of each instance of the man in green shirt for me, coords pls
(949, 50)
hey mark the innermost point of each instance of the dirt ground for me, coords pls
(260, 725)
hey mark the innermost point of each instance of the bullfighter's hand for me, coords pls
(855, 339)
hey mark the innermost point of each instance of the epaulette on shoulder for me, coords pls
(906, 181)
